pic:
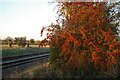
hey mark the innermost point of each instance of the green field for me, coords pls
(16, 51)
(13, 52)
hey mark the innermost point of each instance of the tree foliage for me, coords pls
(21, 41)
(32, 41)
(85, 35)
(9, 41)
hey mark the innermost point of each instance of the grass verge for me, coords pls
(22, 51)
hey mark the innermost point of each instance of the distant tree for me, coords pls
(28, 45)
(22, 41)
(27, 41)
(32, 41)
(4, 42)
(0, 41)
(10, 41)
(16, 40)
(8, 38)
(37, 42)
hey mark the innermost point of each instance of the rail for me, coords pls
(23, 59)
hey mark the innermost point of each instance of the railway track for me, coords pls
(23, 59)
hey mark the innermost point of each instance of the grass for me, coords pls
(16, 46)
(43, 71)
(40, 71)
(16, 51)
(13, 52)
(33, 72)
(45, 49)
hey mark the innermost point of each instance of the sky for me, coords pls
(19, 18)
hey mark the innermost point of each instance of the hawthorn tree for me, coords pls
(85, 37)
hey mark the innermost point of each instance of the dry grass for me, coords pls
(3, 47)
(44, 71)
(41, 71)
(33, 72)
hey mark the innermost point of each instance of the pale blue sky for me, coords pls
(20, 18)
(25, 18)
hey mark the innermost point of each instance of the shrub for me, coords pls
(86, 40)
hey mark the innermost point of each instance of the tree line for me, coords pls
(20, 41)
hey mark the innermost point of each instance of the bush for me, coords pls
(86, 41)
